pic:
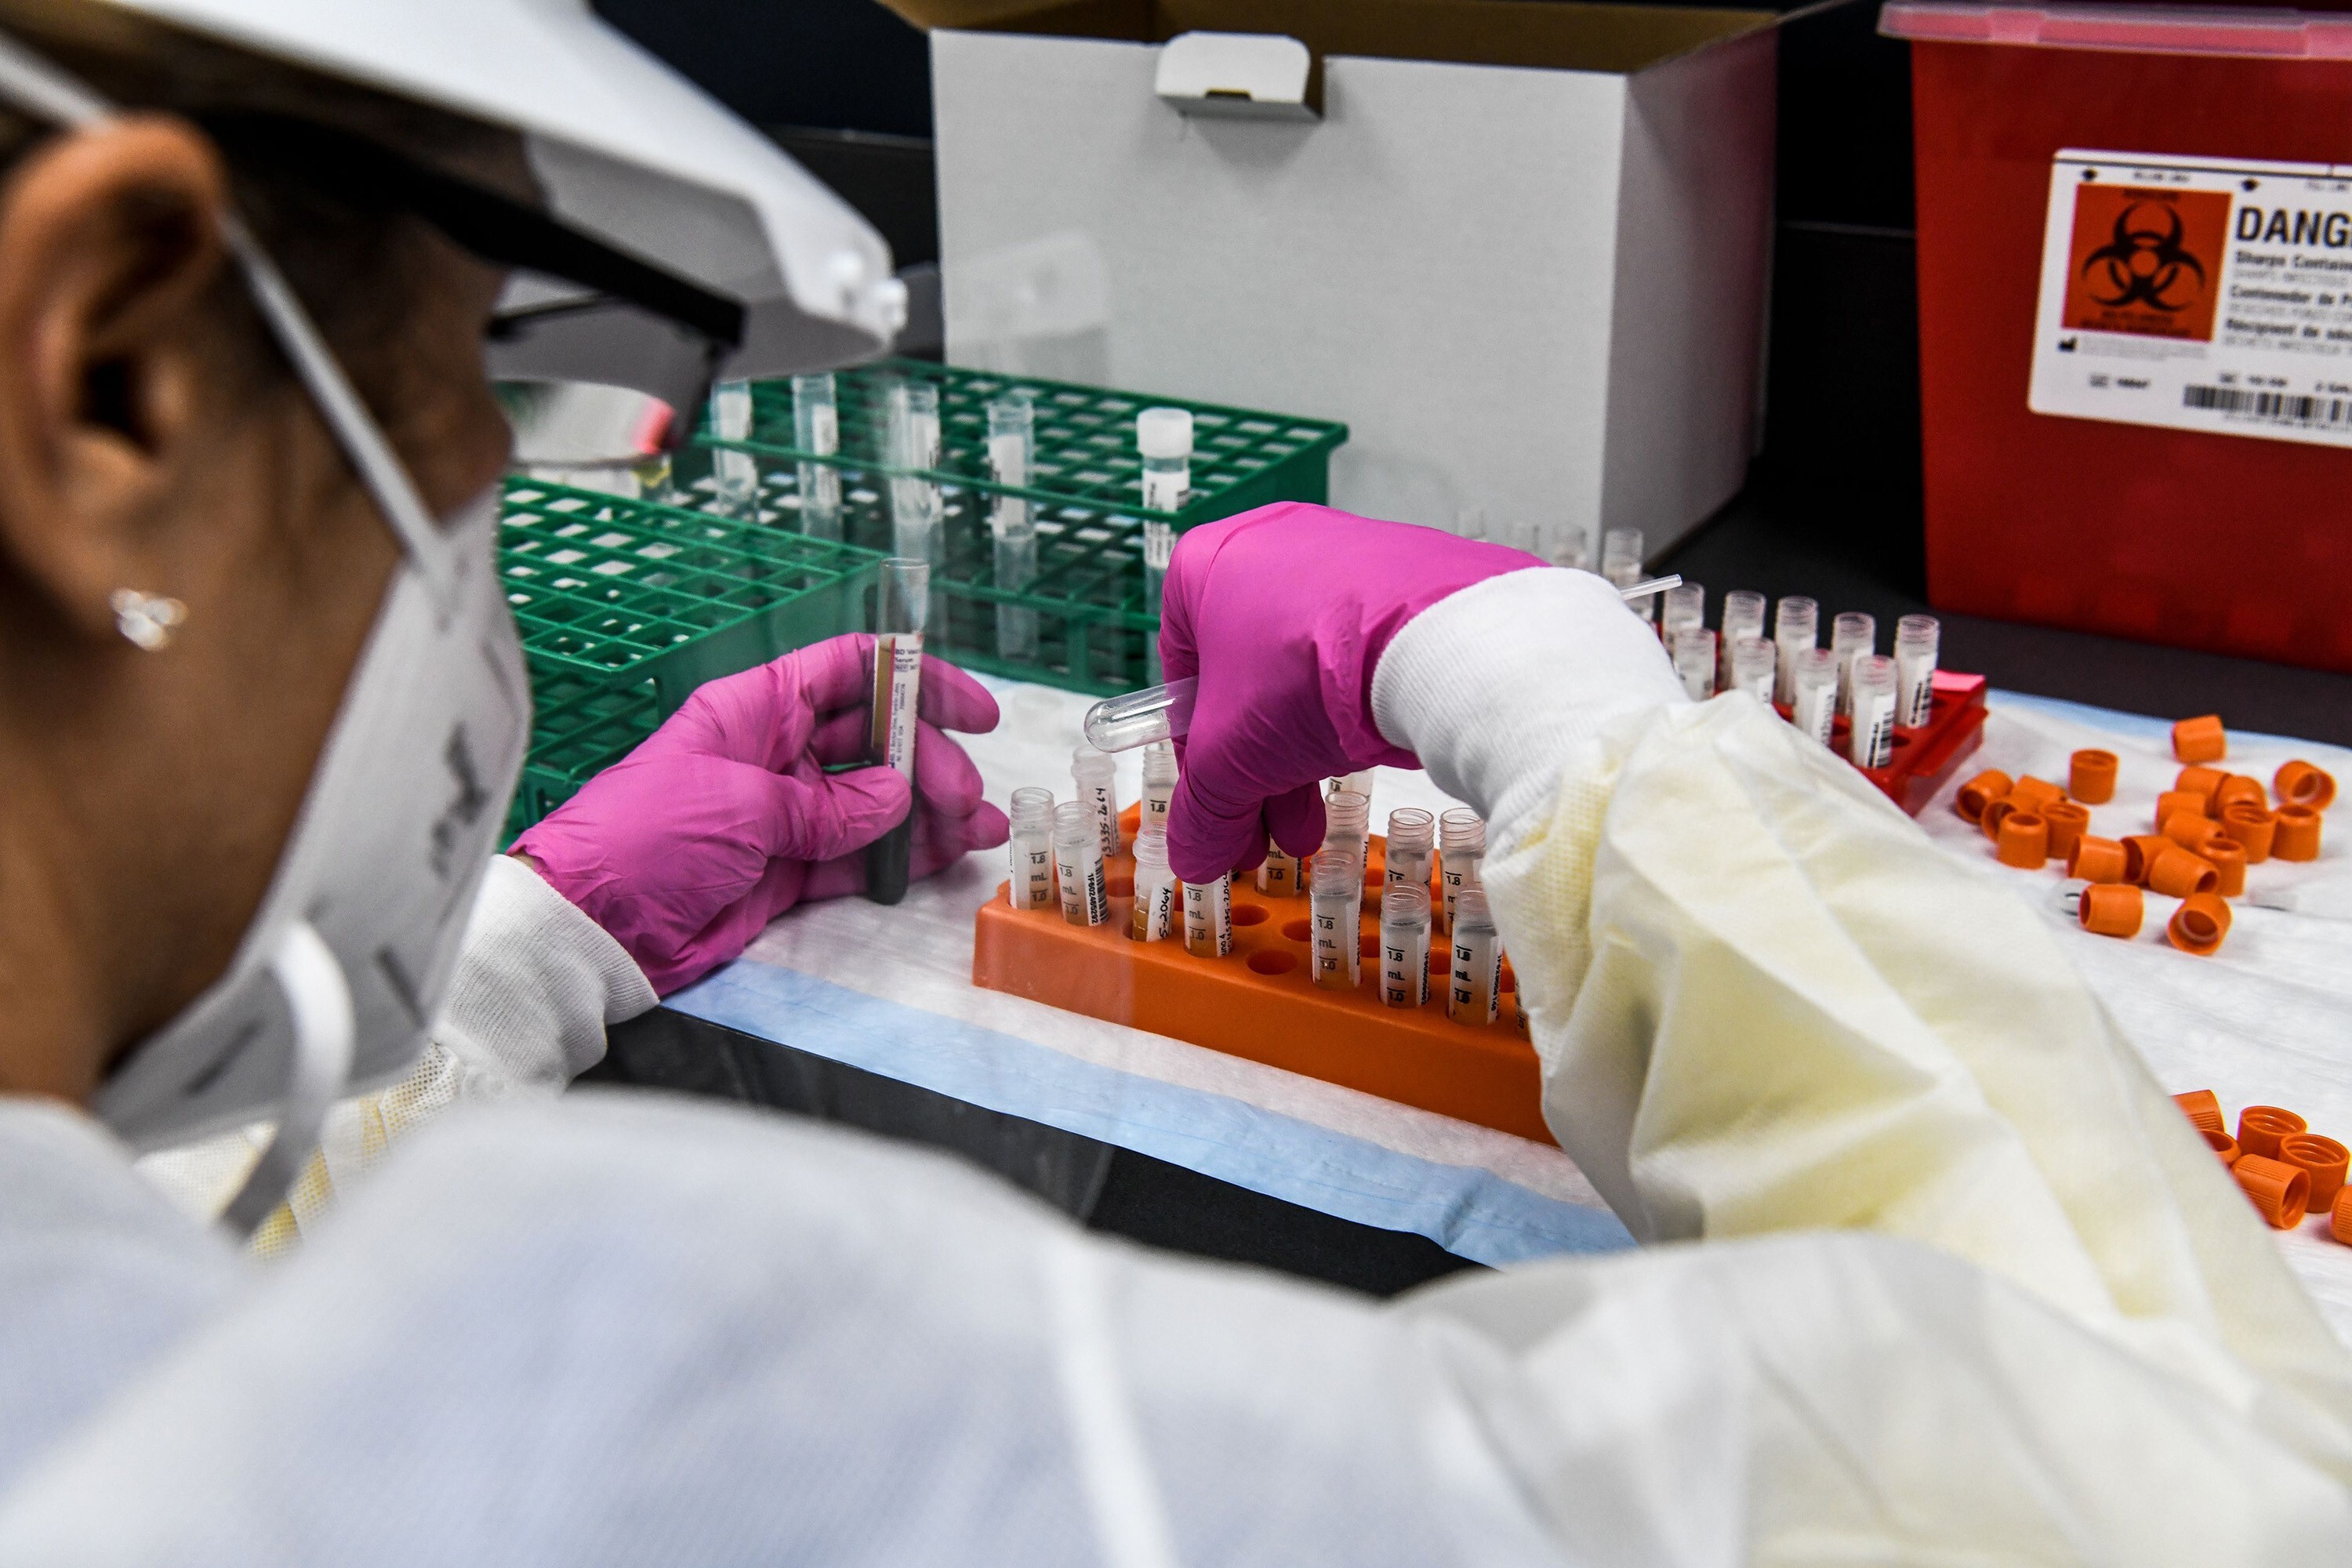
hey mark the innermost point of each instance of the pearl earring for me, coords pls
(147, 620)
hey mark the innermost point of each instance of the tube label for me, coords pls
(1086, 891)
(1404, 965)
(1209, 917)
(1339, 945)
(1163, 488)
(1155, 911)
(1278, 874)
(1103, 800)
(1917, 704)
(1033, 874)
(1155, 797)
(898, 686)
(1873, 737)
(1455, 872)
(1816, 713)
(1478, 979)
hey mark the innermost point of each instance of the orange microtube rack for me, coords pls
(1261, 1002)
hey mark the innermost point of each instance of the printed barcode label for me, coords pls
(2291, 407)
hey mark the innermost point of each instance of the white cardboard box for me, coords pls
(1537, 288)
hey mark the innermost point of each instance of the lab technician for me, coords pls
(1938, 1275)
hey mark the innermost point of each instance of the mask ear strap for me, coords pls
(320, 998)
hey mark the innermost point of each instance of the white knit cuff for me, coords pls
(1497, 687)
(536, 984)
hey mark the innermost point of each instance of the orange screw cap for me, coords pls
(2253, 830)
(2178, 874)
(2339, 1223)
(2067, 821)
(2261, 1128)
(2201, 739)
(2201, 1106)
(2140, 851)
(2297, 838)
(2096, 859)
(2199, 925)
(2191, 830)
(2324, 1160)
(2174, 802)
(2227, 858)
(2238, 788)
(2196, 778)
(2111, 909)
(1991, 821)
(2091, 776)
(2221, 1144)
(2300, 784)
(2279, 1190)
(1981, 791)
(2024, 840)
(2033, 792)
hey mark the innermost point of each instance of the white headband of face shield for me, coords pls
(339, 976)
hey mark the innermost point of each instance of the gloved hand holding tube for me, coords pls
(725, 817)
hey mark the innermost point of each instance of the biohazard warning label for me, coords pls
(2198, 294)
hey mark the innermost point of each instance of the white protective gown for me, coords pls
(1939, 1276)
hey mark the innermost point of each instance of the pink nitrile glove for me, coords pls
(725, 817)
(1283, 613)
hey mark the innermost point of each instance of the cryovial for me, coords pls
(1158, 548)
(1743, 616)
(1348, 822)
(1461, 852)
(1851, 635)
(1568, 544)
(1470, 523)
(1335, 882)
(914, 443)
(1209, 917)
(1915, 641)
(1405, 946)
(1413, 841)
(902, 605)
(1097, 777)
(1815, 710)
(1164, 436)
(1871, 741)
(1280, 875)
(1160, 775)
(1154, 919)
(816, 429)
(1012, 528)
(1685, 606)
(737, 473)
(1692, 648)
(1754, 665)
(1032, 848)
(1475, 993)
(1078, 865)
(1620, 563)
(1796, 626)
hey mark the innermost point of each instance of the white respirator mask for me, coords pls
(345, 967)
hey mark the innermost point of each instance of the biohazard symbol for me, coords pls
(2145, 261)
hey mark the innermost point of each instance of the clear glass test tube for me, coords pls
(1474, 994)
(1156, 895)
(1209, 917)
(1917, 642)
(1876, 689)
(1412, 845)
(1097, 777)
(1405, 946)
(1164, 438)
(1031, 846)
(1754, 667)
(1685, 606)
(1815, 710)
(1461, 855)
(1692, 648)
(1743, 616)
(1135, 718)
(1620, 563)
(1335, 881)
(1012, 528)
(902, 607)
(1160, 775)
(736, 474)
(1851, 635)
(1158, 548)
(816, 428)
(1078, 865)
(914, 443)
(1796, 626)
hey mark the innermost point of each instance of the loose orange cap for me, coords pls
(2199, 780)
(1991, 821)
(2235, 789)
(2096, 859)
(2033, 792)
(2261, 1128)
(2253, 830)
(2339, 1223)
(2221, 1144)
(2201, 1106)
(2140, 851)
(2324, 1160)
(2279, 1190)
(2024, 840)
(2091, 777)
(2199, 925)
(2297, 838)
(2192, 830)
(1981, 791)
(2067, 821)
(2178, 874)
(2201, 739)
(2111, 909)
(2227, 858)
(2174, 802)
(2300, 784)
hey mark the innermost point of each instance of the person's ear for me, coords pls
(110, 245)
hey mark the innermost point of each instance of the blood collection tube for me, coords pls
(1280, 875)
(1078, 865)
(1164, 438)
(902, 603)
(1743, 616)
(1685, 606)
(913, 444)
(1620, 563)
(1348, 821)
(1405, 946)
(1031, 846)
(1815, 710)
(1796, 626)
(1097, 777)
(1916, 640)
(1154, 919)
(1159, 776)
(1852, 635)
(1412, 840)
(1461, 855)
(1209, 916)
(738, 476)
(816, 428)
(1475, 993)
(1693, 649)
(1158, 548)
(1755, 666)
(1012, 528)
(1335, 883)
(1877, 689)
